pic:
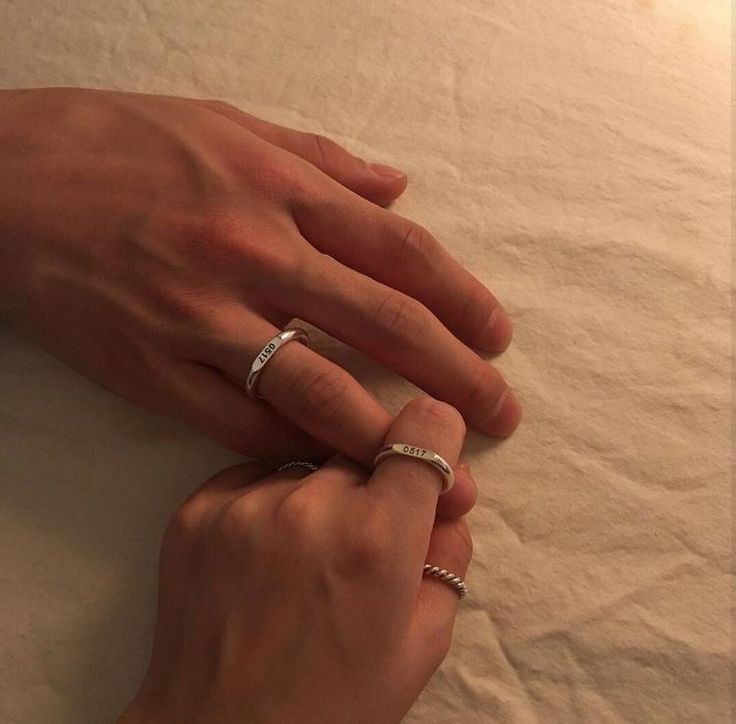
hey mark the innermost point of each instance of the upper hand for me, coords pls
(155, 244)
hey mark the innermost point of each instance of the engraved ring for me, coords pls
(262, 358)
(427, 456)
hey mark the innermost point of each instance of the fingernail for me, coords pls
(499, 331)
(464, 478)
(461, 499)
(505, 415)
(386, 171)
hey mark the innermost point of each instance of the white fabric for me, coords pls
(575, 155)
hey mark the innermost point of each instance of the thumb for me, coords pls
(374, 181)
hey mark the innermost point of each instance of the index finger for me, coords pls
(406, 487)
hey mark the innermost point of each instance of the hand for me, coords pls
(156, 244)
(296, 598)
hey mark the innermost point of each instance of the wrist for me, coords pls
(13, 196)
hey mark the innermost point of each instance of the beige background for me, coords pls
(575, 155)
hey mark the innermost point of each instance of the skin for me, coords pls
(155, 244)
(284, 598)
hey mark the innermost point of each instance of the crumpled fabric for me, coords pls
(576, 157)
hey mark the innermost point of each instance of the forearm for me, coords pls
(29, 208)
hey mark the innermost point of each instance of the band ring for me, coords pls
(426, 456)
(268, 351)
(446, 577)
(306, 464)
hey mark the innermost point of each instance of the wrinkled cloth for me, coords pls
(576, 157)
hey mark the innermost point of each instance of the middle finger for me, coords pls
(405, 256)
(403, 334)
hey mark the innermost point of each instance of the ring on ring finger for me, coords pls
(266, 354)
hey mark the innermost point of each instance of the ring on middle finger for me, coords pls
(267, 353)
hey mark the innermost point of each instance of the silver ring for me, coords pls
(268, 351)
(306, 464)
(420, 453)
(446, 577)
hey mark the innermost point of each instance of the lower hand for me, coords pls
(297, 599)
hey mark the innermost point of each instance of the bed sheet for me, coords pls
(576, 157)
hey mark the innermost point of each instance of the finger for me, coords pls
(208, 401)
(342, 473)
(451, 548)
(406, 257)
(313, 393)
(234, 478)
(316, 395)
(338, 474)
(376, 182)
(327, 402)
(405, 488)
(194, 513)
(404, 335)
(461, 498)
(234, 483)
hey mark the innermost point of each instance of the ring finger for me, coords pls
(312, 392)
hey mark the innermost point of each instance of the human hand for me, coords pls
(293, 598)
(155, 244)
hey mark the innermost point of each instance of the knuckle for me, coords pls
(366, 553)
(323, 150)
(236, 522)
(185, 307)
(328, 155)
(216, 105)
(231, 245)
(273, 261)
(224, 106)
(282, 175)
(416, 245)
(426, 411)
(296, 518)
(187, 521)
(214, 236)
(479, 386)
(399, 317)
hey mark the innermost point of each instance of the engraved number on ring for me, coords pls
(266, 353)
